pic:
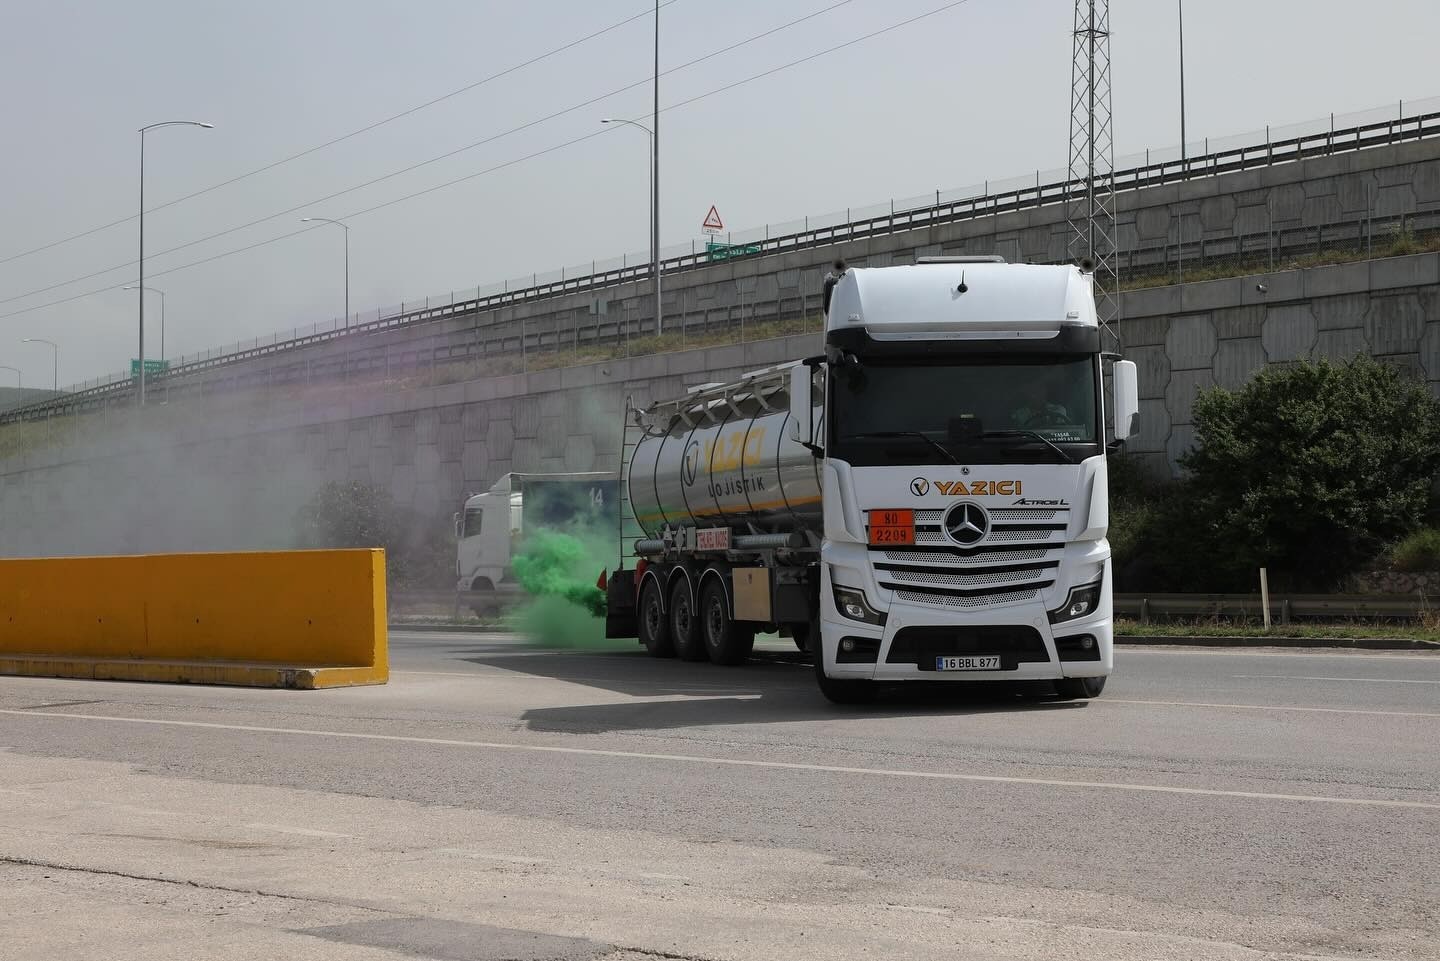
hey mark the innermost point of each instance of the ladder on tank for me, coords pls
(632, 433)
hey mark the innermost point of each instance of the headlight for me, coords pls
(1082, 601)
(853, 605)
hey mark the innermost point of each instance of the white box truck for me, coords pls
(492, 526)
(927, 500)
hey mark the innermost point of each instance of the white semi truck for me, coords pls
(927, 500)
(492, 525)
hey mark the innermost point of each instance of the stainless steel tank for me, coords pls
(725, 459)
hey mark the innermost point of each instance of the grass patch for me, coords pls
(1418, 552)
(1427, 630)
(1398, 244)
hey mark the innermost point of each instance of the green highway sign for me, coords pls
(152, 367)
(714, 251)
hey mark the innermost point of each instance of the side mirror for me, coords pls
(1126, 378)
(802, 408)
(455, 519)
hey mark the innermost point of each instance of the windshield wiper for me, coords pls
(1034, 435)
(892, 434)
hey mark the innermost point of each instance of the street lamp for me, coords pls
(345, 227)
(155, 290)
(140, 391)
(56, 349)
(654, 214)
(1180, 9)
(19, 380)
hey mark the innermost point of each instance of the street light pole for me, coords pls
(156, 290)
(654, 228)
(19, 379)
(1180, 7)
(55, 348)
(140, 390)
(345, 227)
(655, 176)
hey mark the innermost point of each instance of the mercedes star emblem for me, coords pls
(967, 524)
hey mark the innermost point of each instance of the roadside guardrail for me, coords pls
(1284, 608)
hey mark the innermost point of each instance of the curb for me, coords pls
(1222, 640)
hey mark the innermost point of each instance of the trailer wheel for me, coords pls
(1079, 688)
(840, 690)
(725, 641)
(653, 626)
(684, 631)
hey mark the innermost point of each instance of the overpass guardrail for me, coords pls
(1041, 193)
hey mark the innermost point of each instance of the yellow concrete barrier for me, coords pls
(301, 619)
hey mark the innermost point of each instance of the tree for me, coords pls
(349, 515)
(1309, 470)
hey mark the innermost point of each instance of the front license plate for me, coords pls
(971, 662)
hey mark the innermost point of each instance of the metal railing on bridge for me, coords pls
(1147, 172)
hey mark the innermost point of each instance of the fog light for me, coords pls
(847, 645)
(1087, 642)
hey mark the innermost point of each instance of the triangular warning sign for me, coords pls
(712, 220)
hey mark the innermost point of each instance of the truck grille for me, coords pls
(978, 577)
(920, 646)
(958, 559)
(1015, 562)
(936, 597)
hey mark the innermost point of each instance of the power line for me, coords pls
(649, 11)
(436, 159)
(510, 163)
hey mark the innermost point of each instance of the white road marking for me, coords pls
(1122, 650)
(1360, 680)
(744, 762)
(1265, 707)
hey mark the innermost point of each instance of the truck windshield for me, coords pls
(986, 410)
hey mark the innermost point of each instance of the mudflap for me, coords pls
(620, 620)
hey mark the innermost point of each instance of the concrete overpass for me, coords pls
(221, 465)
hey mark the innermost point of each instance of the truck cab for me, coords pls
(963, 445)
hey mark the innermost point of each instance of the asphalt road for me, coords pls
(499, 802)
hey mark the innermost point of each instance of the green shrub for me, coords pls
(1419, 551)
(1308, 470)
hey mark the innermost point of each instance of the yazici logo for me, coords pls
(919, 487)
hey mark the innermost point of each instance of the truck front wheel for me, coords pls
(653, 627)
(1079, 688)
(684, 631)
(725, 641)
(839, 690)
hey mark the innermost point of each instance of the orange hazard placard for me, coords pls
(892, 527)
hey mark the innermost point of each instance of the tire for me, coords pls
(800, 634)
(652, 624)
(725, 641)
(840, 690)
(1079, 688)
(684, 625)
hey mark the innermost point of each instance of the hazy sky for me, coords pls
(980, 91)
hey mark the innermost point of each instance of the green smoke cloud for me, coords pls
(552, 564)
(558, 571)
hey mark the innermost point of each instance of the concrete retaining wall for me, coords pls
(229, 472)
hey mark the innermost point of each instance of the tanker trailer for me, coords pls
(926, 500)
